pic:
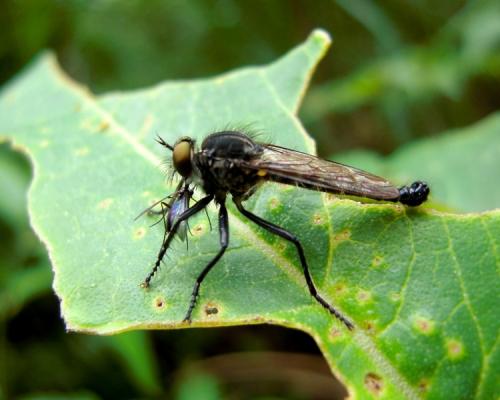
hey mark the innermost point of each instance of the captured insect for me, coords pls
(230, 162)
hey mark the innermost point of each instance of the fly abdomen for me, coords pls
(415, 194)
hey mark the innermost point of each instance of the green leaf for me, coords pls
(421, 286)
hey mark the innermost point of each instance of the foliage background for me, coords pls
(397, 72)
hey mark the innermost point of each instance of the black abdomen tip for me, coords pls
(415, 194)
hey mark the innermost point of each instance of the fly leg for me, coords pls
(224, 241)
(277, 230)
(168, 238)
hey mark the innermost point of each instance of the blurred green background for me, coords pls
(397, 72)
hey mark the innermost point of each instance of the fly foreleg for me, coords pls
(168, 238)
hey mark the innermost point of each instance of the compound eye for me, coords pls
(182, 157)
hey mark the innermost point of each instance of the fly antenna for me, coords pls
(160, 140)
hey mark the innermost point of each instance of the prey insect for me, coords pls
(230, 162)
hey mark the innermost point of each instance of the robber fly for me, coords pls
(231, 162)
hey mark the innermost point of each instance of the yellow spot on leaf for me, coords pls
(363, 296)
(317, 219)
(374, 383)
(423, 385)
(455, 349)
(369, 326)
(103, 126)
(336, 334)
(424, 325)
(274, 203)
(342, 235)
(198, 230)
(340, 289)
(44, 143)
(104, 204)
(377, 260)
(159, 303)
(139, 233)
(211, 309)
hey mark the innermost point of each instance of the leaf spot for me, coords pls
(423, 385)
(317, 219)
(103, 126)
(105, 204)
(82, 151)
(424, 325)
(139, 233)
(335, 333)
(374, 383)
(342, 236)
(281, 246)
(274, 203)
(198, 229)
(340, 289)
(94, 126)
(377, 260)
(159, 303)
(369, 326)
(364, 296)
(211, 309)
(455, 349)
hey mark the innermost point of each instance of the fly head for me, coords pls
(182, 156)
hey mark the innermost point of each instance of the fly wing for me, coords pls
(288, 166)
(177, 206)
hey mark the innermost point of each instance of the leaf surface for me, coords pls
(420, 286)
